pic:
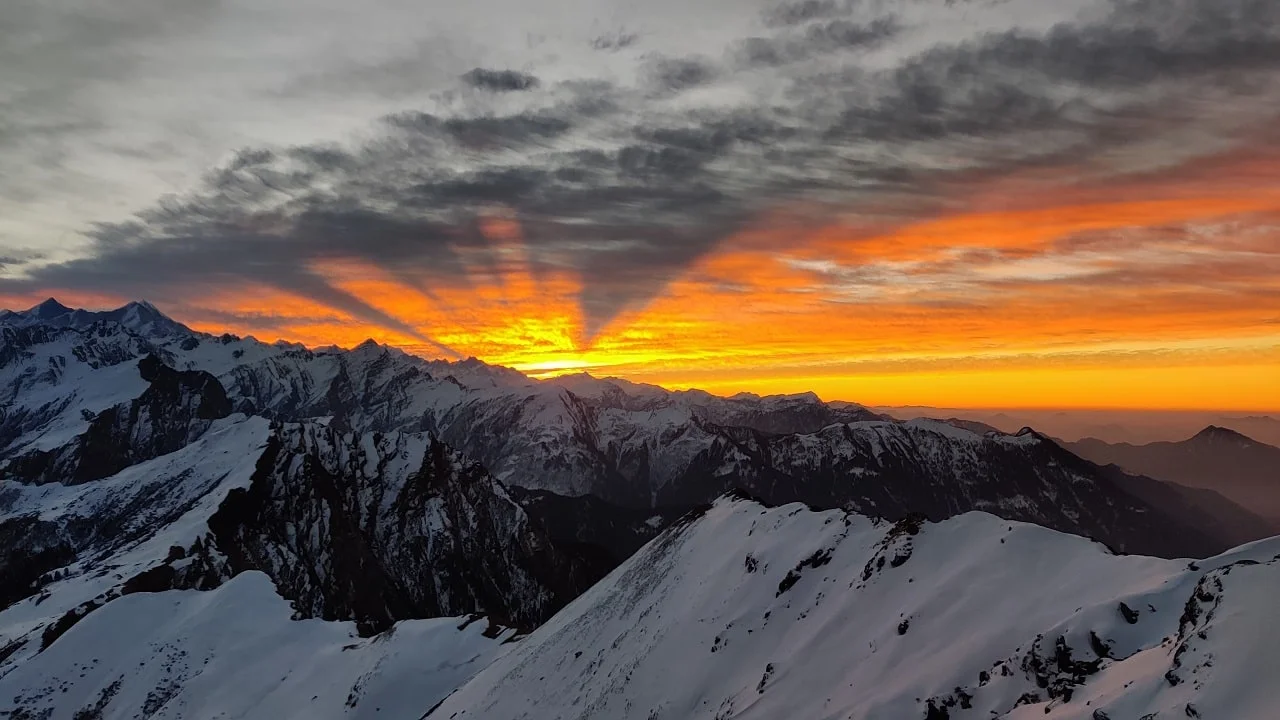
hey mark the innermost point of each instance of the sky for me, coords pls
(985, 203)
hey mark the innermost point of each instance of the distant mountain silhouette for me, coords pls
(1135, 426)
(1238, 467)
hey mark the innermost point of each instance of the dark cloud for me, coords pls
(606, 181)
(841, 34)
(802, 11)
(18, 258)
(614, 41)
(759, 51)
(403, 203)
(818, 39)
(500, 80)
(487, 132)
(1140, 43)
(1105, 84)
(676, 74)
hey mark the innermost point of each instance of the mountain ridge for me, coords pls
(139, 315)
(785, 612)
(1226, 461)
(793, 613)
(334, 501)
(631, 445)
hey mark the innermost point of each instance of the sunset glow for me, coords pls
(1092, 302)
(1025, 204)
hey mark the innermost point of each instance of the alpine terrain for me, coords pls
(1242, 469)
(201, 526)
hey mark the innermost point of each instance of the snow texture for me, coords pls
(234, 652)
(750, 612)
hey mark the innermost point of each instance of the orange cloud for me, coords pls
(1159, 291)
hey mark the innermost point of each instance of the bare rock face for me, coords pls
(365, 526)
(895, 469)
(33, 550)
(383, 527)
(645, 448)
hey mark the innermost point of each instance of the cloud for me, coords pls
(846, 34)
(802, 11)
(817, 40)
(674, 74)
(17, 258)
(500, 80)
(54, 60)
(629, 179)
(614, 41)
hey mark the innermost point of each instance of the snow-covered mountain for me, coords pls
(159, 494)
(741, 611)
(141, 317)
(182, 514)
(751, 612)
(176, 409)
(630, 445)
(372, 528)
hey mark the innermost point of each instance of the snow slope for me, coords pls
(53, 381)
(101, 534)
(749, 612)
(234, 652)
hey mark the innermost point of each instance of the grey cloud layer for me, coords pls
(500, 80)
(630, 183)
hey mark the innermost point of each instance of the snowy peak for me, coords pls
(49, 310)
(753, 612)
(140, 317)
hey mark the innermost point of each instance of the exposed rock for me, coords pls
(1129, 614)
(378, 528)
(176, 408)
(29, 549)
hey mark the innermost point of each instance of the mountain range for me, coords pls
(349, 499)
(1219, 459)
(1136, 427)
(141, 317)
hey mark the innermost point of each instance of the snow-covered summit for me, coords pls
(750, 612)
(359, 491)
(141, 317)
